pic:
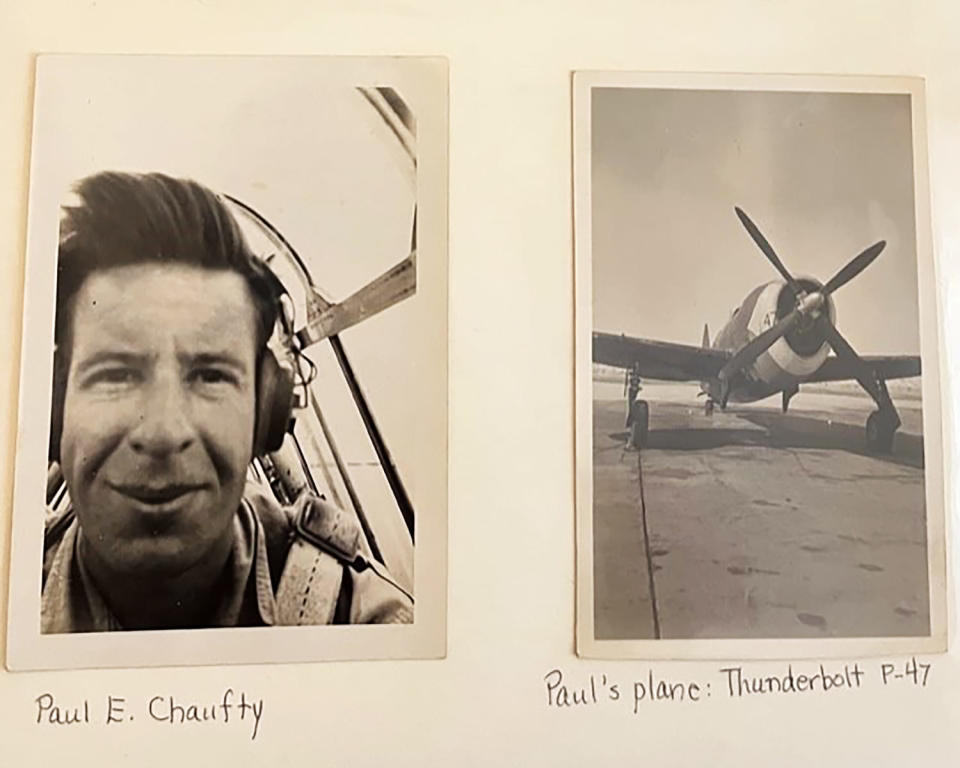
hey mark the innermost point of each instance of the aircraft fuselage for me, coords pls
(788, 361)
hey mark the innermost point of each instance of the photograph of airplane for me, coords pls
(777, 339)
(766, 478)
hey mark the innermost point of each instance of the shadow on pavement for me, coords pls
(787, 431)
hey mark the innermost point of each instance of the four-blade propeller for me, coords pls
(809, 306)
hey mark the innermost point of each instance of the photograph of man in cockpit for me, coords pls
(165, 390)
(233, 417)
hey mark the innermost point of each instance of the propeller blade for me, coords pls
(861, 371)
(854, 267)
(757, 346)
(767, 249)
(724, 392)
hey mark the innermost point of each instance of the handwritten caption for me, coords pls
(729, 682)
(229, 710)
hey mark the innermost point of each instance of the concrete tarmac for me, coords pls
(751, 523)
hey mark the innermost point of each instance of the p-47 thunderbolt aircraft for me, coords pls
(779, 338)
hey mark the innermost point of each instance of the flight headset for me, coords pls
(275, 385)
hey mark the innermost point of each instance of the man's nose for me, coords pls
(164, 425)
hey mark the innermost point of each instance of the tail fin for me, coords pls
(706, 337)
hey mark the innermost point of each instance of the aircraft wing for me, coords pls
(887, 367)
(658, 359)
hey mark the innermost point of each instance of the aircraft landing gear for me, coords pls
(883, 422)
(708, 408)
(787, 397)
(880, 431)
(639, 423)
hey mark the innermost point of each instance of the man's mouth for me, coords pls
(156, 494)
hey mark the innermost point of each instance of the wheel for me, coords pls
(708, 408)
(639, 423)
(879, 433)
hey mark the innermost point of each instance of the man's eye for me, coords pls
(114, 377)
(213, 376)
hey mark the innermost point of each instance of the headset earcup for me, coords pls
(274, 404)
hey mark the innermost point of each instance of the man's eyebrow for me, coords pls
(110, 356)
(218, 358)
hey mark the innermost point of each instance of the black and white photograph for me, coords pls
(758, 432)
(235, 346)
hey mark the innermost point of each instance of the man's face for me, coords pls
(159, 413)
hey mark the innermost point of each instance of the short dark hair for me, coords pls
(134, 218)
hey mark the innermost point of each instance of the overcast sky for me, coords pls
(823, 176)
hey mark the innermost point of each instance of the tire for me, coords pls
(639, 423)
(879, 434)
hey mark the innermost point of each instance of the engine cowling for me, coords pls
(799, 353)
